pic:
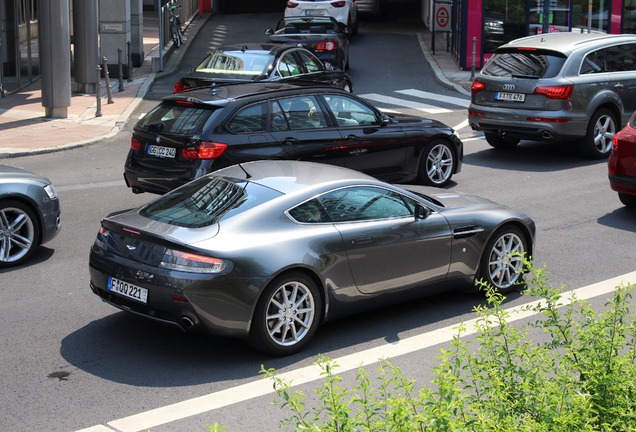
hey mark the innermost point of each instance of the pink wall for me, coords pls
(474, 29)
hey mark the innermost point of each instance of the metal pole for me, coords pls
(472, 66)
(120, 69)
(107, 79)
(98, 92)
(589, 16)
(129, 63)
(160, 12)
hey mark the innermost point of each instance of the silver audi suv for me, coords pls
(557, 87)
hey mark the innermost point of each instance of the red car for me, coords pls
(622, 164)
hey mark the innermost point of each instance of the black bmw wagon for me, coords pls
(196, 132)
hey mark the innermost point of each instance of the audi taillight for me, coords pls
(291, 4)
(180, 87)
(326, 46)
(555, 92)
(135, 144)
(477, 86)
(338, 3)
(204, 150)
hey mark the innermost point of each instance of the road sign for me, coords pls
(442, 17)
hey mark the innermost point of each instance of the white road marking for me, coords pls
(170, 413)
(461, 126)
(430, 109)
(436, 97)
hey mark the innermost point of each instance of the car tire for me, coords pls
(597, 143)
(21, 233)
(500, 142)
(502, 263)
(437, 164)
(627, 200)
(287, 315)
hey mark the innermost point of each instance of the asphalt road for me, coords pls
(72, 362)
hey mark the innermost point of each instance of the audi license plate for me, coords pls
(314, 12)
(162, 152)
(127, 289)
(511, 97)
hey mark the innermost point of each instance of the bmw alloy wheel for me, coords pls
(437, 167)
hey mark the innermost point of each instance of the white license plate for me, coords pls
(127, 289)
(163, 152)
(512, 97)
(314, 12)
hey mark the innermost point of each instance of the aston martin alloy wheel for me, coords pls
(287, 315)
(502, 262)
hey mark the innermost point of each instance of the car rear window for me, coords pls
(207, 200)
(236, 62)
(175, 118)
(525, 64)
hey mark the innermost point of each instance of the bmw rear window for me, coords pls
(176, 118)
(525, 64)
(207, 200)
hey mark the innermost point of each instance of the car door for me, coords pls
(621, 61)
(373, 146)
(300, 126)
(387, 247)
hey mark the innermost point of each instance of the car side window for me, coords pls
(252, 118)
(621, 58)
(289, 66)
(350, 112)
(312, 64)
(309, 212)
(363, 203)
(594, 62)
(300, 112)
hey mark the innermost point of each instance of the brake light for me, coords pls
(184, 103)
(135, 144)
(180, 87)
(338, 3)
(612, 162)
(555, 92)
(205, 150)
(291, 4)
(477, 86)
(326, 46)
(191, 262)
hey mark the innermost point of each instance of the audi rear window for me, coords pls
(173, 117)
(525, 64)
(206, 200)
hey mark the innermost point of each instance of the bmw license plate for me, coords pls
(127, 289)
(510, 97)
(162, 152)
(314, 12)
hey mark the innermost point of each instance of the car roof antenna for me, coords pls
(247, 175)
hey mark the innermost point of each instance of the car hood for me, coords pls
(451, 200)
(155, 230)
(9, 173)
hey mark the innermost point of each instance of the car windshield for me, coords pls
(176, 118)
(206, 201)
(236, 62)
(525, 64)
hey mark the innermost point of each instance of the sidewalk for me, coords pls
(24, 130)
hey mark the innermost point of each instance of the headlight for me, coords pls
(50, 191)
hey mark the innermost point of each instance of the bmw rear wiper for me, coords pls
(157, 126)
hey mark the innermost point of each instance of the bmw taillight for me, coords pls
(338, 4)
(180, 87)
(135, 144)
(477, 86)
(326, 46)
(291, 4)
(191, 262)
(204, 150)
(555, 92)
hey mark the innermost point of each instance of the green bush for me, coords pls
(582, 379)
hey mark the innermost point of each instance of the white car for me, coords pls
(343, 11)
